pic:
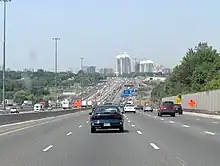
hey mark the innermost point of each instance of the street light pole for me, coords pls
(4, 50)
(56, 52)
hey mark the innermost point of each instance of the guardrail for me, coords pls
(15, 118)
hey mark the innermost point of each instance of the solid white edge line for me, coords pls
(69, 133)
(210, 133)
(47, 148)
(185, 126)
(154, 146)
(139, 132)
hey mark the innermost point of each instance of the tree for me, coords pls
(197, 72)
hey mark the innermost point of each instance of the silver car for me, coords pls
(148, 108)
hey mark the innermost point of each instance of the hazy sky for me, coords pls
(160, 30)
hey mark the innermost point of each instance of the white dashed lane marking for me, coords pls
(132, 125)
(197, 119)
(47, 148)
(186, 126)
(171, 121)
(210, 133)
(129, 121)
(87, 121)
(69, 133)
(154, 146)
(215, 122)
(80, 126)
(161, 119)
(139, 132)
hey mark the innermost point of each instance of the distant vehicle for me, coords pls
(14, 110)
(178, 108)
(108, 103)
(106, 117)
(167, 108)
(129, 108)
(38, 107)
(139, 107)
(148, 108)
(66, 104)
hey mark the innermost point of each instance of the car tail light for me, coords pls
(117, 116)
(94, 117)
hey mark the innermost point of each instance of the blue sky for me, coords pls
(160, 30)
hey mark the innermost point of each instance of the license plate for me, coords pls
(107, 124)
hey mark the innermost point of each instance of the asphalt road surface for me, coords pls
(148, 140)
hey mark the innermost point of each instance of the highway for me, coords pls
(148, 140)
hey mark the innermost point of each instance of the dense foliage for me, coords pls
(33, 85)
(198, 71)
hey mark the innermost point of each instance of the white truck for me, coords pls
(84, 103)
(66, 104)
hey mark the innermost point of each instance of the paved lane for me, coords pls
(192, 146)
(67, 141)
(199, 123)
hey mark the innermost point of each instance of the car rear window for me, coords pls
(107, 109)
(168, 103)
(177, 105)
(130, 105)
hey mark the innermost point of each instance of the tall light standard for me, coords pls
(4, 50)
(56, 52)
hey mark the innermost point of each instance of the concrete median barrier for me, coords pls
(15, 118)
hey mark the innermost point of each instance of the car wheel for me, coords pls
(173, 115)
(134, 112)
(121, 129)
(151, 110)
(93, 130)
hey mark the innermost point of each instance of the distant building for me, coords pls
(146, 66)
(137, 67)
(123, 63)
(106, 71)
(91, 69)
(84, 68)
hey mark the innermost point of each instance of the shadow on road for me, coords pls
(111, 131)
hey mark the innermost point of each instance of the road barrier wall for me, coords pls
(207, 102)
(14, 118)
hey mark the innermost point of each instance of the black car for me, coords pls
(178, 109)
(107, 117)
(167, 108)
(139, 107)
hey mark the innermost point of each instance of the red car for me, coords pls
(167, 108)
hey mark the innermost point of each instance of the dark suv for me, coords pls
(167, 108)
(178, 108)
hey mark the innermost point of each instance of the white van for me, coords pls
(38, 107)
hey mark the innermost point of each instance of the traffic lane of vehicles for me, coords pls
(25, 145)
(192, 146)
(68, 142)
(207, 124)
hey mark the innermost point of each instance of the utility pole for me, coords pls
(4, 50)
(81, 63)
(56, 54)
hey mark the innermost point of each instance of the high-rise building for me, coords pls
(106, 71)
(123, 64)
(84, 68)
(137, 67)
(146, 66)
(91, 69)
